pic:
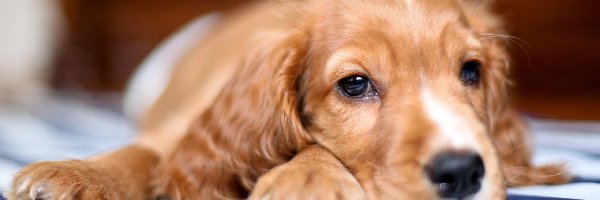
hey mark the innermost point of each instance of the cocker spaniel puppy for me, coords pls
(313, 99)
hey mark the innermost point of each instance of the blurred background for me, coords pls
(64, 65)
(556, 49)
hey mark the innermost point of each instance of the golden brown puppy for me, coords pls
(378, 99)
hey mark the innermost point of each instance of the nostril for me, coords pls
(446, 178)
(475, 177)
(456, 174)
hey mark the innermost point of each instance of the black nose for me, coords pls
(456, 174)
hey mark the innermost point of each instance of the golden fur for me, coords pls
(262, 89)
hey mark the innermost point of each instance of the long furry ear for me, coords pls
(275, 70)
(508, 131)
(261, 106)
(253, 125)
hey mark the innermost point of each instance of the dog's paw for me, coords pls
(59, 180)
(306, 182)
(547, 174)
(304, 178)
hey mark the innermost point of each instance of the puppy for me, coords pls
(352, 99)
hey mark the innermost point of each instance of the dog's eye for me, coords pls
(357, 87)
(469, 73)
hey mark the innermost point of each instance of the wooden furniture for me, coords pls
(558, 68)
(109, 38)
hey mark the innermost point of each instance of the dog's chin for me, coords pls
(476, 196)
(481, 195)
(470, 197)
(489, 190)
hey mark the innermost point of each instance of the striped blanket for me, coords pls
(74, 125)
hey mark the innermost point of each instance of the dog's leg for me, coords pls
(314, 173)
(510, 139)
(123, 174)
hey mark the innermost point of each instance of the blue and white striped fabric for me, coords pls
(577, 144)
(62, 126)
(67, 126)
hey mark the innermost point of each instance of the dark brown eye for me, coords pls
(356, 87)
(469, 73)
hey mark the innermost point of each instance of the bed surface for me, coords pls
(73, 125)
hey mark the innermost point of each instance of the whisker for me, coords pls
(507, 181)
(524, 172)
(509, 37)
(524, 144)
(520, 42)
(531, 142)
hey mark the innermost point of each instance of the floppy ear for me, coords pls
(260, 106)
(508, 131)
(253, 125)
(266, 99)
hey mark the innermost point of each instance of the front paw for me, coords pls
(59, 180)
(309, 176)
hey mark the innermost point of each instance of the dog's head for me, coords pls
(403, 92)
